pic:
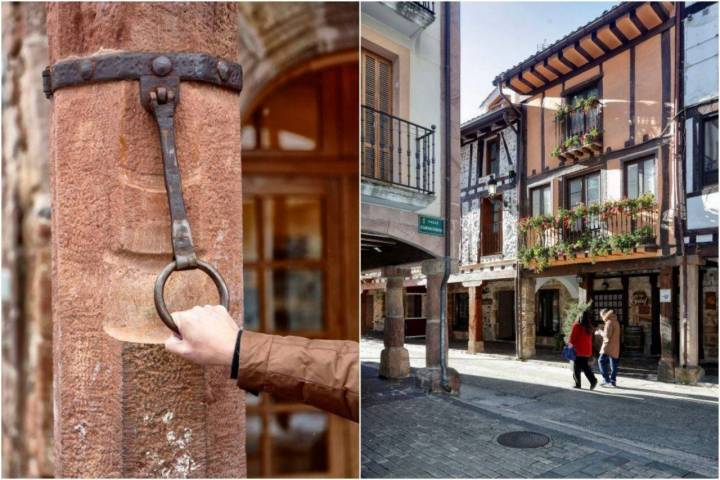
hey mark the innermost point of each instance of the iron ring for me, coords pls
(160, 290)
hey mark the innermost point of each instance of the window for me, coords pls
(584, 190)
(414, 305)
(493, 156)
(377, 134)
(492, 226)
(640, 177)
(710, 152)
(541, 200)
(580, 119)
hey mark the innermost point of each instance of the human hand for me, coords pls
(208, 335)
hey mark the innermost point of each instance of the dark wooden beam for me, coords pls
(618, 34)
(620, 266)
(659, 11)
(638, 23)
(551, 69)
(600, 44)
(566, 62)
(538, 75)
(578, 48)
(525, 82)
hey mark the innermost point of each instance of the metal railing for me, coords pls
(578, 234)
(397, 151)
(429, 6)
(579, 121)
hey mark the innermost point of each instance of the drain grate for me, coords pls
(523, 440)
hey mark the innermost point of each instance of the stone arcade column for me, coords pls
(667, 363)
(475, 318)
(526, 335)
(124, 407)
(429, 377)
(690, 372)
(394, 359)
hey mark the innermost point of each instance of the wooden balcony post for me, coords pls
(128, 408)
(666, 365)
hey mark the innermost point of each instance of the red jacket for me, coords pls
(581, 340)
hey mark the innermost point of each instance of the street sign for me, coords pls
(431, 225)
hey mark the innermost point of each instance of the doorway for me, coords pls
(506, 315)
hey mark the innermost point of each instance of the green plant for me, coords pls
(556, 152)
(589, 102)
(561, 112)
(572, 141)
(573, 311)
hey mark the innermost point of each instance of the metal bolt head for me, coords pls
(161, 65)
(86, 69)
(223, 69)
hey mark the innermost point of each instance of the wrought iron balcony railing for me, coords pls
(396, 151)
(579, 130)
(594, 232)
(429, 6)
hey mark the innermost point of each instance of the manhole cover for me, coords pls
(523, 439)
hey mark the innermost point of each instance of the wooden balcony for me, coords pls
(578, 132)
(599, 233)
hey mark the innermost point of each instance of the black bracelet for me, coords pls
(235, 366)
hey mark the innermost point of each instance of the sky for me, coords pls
(497, 35)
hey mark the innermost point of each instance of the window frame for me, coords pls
(583, 177)
(640, 162)
(541, 188)
(708, 178)
(488, 161)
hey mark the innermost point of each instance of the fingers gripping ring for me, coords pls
(160, 290)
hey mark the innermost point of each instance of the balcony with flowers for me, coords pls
(579, 129)
(598, 232)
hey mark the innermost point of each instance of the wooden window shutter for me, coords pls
(377, 86)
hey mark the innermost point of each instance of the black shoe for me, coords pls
(593, 385)
(576, 386)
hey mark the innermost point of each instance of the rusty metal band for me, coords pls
(159, 76)
(198, 67)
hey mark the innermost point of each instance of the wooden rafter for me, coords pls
(659, 11)
(638, 23)
(600, 44)
(525, 82)
(566, 62)
(551, 69)
(578, 48)
(618, 34)
(542, 78)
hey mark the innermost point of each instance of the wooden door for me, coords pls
(301, 243)
(377, 134)
(506, 315)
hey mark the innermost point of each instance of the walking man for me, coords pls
(610, 350)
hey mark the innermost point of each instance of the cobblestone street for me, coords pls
(644, 429)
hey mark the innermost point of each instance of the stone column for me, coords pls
(666, 365)
(394, 359)
(429, 377)
(690, 371)
(124, 407)
(475, 319)
(526, 335)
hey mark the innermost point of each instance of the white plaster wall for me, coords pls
(701, 56)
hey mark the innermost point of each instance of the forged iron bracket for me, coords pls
(159, 76)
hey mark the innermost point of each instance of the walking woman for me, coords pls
(581, 338)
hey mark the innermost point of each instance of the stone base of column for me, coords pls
(689, 375)
(528, 350)
(476, 347)
(394, 363)
(666, 371)
(429, 380)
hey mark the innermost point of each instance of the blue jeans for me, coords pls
(609, 375)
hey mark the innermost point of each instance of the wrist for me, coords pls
(235, 358)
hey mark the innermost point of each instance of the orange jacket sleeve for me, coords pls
(321, 373)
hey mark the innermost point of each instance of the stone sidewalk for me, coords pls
(406, 433)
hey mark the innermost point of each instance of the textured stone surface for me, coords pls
(126, 409)
(394, 361)
(27, 348)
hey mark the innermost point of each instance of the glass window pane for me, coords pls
(299, 442)
(575, 192)
(297, 228)
(710, 149)
(649, 176)
(547, 201)
(536, 206)
(250, 243)
(251, 300)
(297, 300)
(632, 180)
(592, 189)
